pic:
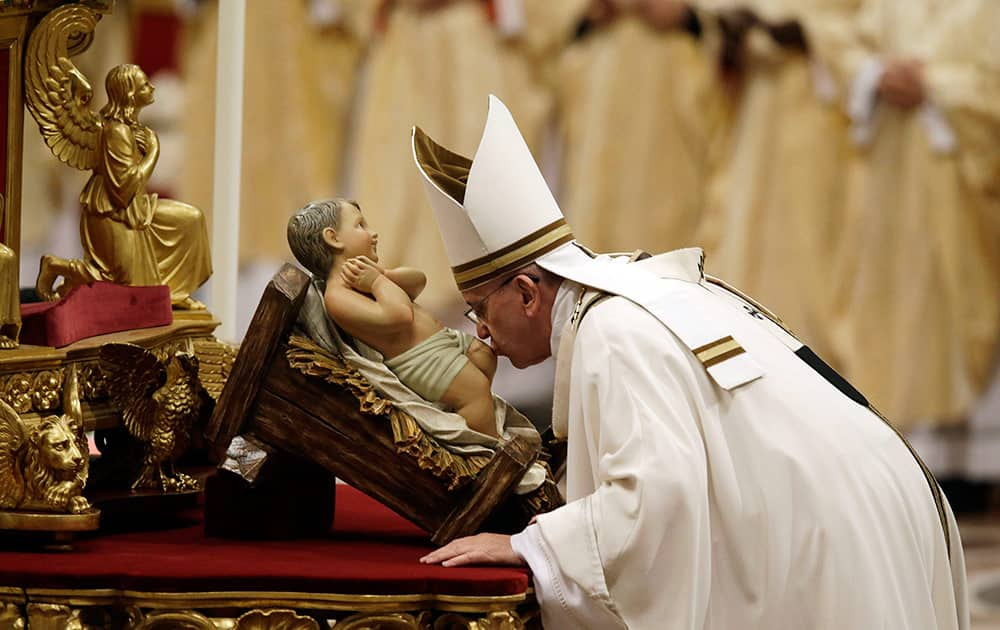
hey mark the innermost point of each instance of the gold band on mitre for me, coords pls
(517, 254)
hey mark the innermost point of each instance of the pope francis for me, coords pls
(719, 474)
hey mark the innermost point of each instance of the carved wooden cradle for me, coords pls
(291, 394)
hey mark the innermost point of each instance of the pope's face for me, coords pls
(513, 316)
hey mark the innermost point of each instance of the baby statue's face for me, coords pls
(355, 235)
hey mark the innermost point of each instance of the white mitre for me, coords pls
(496, 213)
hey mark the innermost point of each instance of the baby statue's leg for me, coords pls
(483, 358)
(469, 396)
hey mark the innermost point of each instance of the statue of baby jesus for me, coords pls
(333, 241)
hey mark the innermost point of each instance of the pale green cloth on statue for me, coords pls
(429, 367)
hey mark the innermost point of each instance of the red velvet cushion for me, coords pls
(94, 309)
(371, 550)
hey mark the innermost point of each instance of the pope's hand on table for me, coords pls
(478, 549)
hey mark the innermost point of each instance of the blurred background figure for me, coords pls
(638, 106)
(775, 200)
(917, 277)
(917, 272)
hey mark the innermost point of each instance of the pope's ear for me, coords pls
(331, 239)
(529, 294)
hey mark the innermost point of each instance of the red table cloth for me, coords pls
(370, 550)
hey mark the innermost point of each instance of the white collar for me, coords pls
(562, 311)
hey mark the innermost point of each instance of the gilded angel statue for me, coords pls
(129, 236)
(159, 402)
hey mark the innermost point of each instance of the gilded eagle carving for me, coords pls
(159, 400)
(129, 235)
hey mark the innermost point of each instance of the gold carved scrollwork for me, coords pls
(171, 620)
(501, 620)
(275, 620)
(278, 619)
(38, 391)
(93, 387)
(386, 621)
(55, 617)
(45, 390)
(15, 390)
(11, 617)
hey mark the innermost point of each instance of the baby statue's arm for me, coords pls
(389, 309)
(409, 279)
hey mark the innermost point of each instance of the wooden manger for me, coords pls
(287, 392)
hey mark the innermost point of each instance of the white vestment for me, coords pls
(779, 503)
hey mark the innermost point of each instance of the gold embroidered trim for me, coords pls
(712, 344)
(725, 356)
(718, 351)
(536, 244)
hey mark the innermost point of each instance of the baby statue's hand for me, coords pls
(360, 273)
(368, 261)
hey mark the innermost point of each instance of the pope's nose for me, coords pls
(482, 331)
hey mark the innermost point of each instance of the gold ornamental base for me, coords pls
(50, 522)
(31, 377)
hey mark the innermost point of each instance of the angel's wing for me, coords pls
(133, 374)
(56, 93)
(11, 438)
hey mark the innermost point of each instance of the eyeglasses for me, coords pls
(475, 311)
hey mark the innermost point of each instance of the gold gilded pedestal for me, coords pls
(236, 610)
(31, 377)
(49, 522)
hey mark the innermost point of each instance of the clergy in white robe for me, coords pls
(646, 153)
(718, 475)
(917, 275)
(774, 204)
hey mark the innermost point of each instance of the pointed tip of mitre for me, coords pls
(494, 211)
(444, 175)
